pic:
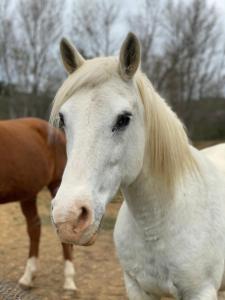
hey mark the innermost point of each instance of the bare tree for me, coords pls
(146, 24)
(182, 50)
(92, 26)
(6, 37)
(6, 46)
(38, 30)
(193, 51)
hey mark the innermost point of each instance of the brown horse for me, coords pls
(32, 156)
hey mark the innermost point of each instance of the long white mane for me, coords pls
(167, 143)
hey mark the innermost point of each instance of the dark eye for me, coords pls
(61, 121)
(122, 121)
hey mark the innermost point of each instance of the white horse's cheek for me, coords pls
(133, 161)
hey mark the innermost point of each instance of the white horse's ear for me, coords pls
(130, 56)
(71, 58)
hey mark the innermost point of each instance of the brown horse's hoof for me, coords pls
(26, 284)
(71, 294)
(25, 287)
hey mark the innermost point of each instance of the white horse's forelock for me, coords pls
(91, 74)
(167, 146)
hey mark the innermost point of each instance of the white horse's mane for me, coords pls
(167, 143)
(167, 146)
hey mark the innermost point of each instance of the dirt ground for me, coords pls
(98, 273)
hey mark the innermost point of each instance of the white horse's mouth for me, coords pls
(68, 235)
(91, 240)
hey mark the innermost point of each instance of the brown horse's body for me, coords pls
(32, 156)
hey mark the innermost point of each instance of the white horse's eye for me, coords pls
(122, 121)
(61, 121)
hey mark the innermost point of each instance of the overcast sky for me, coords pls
(131, 6)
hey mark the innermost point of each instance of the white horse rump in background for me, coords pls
(217, 155)
(170, 232)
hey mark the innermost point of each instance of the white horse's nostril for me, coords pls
(75, 223)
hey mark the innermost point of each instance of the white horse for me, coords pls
(170, 232)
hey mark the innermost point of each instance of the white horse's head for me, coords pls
(112, 117)
(104, 125)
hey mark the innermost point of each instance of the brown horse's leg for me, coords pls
(69, 270)
(67, 251)
(29, 209)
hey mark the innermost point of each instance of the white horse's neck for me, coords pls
(150, 205)
(167, 161)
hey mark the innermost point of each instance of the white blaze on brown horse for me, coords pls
(32, 156)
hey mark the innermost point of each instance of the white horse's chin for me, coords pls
(89, 237)
(85, 239)
(91, 240)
